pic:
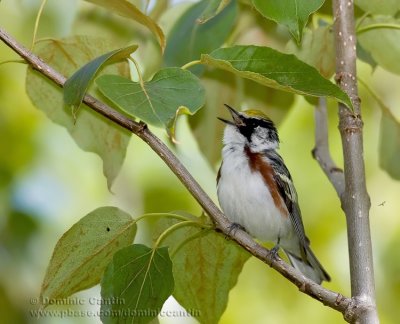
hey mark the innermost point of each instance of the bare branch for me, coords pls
(348, 307)
(355, 200)
(321, 150)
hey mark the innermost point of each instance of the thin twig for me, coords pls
(335, 300)
(321, 150)
(355, 200)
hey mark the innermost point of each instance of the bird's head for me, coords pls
(252, 128)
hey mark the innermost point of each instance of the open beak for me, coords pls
(237, 118)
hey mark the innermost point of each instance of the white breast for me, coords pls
(246, 200)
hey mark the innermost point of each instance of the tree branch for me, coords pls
(355, 200)
(321, 150)
(348, 307)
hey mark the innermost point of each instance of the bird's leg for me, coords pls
(275, 249)
(234, 227)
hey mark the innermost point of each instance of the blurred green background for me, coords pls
(47, 184)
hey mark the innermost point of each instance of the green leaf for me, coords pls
(389, 145)
(382, 43)
(213, 8)
(206, 267)
(291, 13)
(188, 39)
(128, 10)
(274, 69)
(76, 86)
(84, 251)
(91, 131)
(376, 7)
(158, 101)
(316, 49)
(141, 279)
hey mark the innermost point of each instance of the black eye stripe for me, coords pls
(252, 123)
(264, 123)
(246, 131)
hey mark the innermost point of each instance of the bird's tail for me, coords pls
(310, 266)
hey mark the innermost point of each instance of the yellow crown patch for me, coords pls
(256, 114)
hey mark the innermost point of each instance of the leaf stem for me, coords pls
(190, 64)
(35, 29)
(361, 20)
(172, 229)
(377, 26)
(171, 215)
(13, 61)
(141, 82)
(136, 64)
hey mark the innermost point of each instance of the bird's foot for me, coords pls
(234, 227)
(274, 252)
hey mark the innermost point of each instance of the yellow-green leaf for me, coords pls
(91, 131)
(84, 251)
(128, 10)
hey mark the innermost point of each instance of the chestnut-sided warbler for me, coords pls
(256, 191)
